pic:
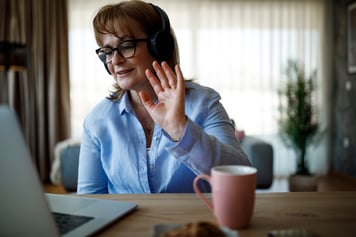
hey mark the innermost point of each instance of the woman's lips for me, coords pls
(123, 72)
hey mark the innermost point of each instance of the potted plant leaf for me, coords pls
(297, 123)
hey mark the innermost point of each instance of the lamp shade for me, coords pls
(13, 56)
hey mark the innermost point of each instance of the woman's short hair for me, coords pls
(115, 18)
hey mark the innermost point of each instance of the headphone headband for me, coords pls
(161, 42)
(166, 26)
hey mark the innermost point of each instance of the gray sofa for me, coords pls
(260, 154)
(65, 167)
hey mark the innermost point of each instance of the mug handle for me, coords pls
(197, 190)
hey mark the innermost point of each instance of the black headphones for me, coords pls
(160, 43)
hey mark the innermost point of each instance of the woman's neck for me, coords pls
(136, 100)
(143, 116)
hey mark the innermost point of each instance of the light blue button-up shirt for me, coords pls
(114, 157)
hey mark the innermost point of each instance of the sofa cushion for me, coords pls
(65, 166)
(260, 154)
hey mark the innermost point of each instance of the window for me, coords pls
(239, 48)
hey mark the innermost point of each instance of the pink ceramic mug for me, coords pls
(233, 193)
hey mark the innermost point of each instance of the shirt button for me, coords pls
(152, 167)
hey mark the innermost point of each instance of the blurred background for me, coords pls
(238, 47)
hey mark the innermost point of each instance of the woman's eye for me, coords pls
(108, 51)
(127, 45)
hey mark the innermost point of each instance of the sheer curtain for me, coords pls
(240, 48)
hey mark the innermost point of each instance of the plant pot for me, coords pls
(303, 183)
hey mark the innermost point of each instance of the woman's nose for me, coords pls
(117, 58)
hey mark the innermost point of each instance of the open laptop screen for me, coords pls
(25, 210)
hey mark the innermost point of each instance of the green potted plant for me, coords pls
(297, 123)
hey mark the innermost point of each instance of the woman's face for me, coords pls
(129, 73)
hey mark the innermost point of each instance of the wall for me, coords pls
(344, 93)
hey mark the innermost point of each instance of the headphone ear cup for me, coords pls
(161, 45)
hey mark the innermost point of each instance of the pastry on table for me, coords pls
(198, 229)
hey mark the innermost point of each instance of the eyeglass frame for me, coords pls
(117, 49)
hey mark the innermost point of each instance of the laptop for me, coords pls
(26, 210)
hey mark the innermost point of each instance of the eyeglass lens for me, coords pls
(126, 49)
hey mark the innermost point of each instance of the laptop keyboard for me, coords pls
(67, 222)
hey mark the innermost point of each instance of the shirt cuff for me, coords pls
(190, 135)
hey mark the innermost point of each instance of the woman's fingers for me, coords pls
(166, 76)
(180, 78)
(154, 81)
(161, 74)
(170, 76)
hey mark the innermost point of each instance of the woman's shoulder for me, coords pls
(194, 89)
(102, 111)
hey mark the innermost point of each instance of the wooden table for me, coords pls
(323, 213)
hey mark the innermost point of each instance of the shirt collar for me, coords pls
(124, 104)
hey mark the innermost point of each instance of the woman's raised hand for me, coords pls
(169, 111)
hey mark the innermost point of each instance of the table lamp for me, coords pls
(13, 58)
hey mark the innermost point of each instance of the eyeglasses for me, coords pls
(126, 49)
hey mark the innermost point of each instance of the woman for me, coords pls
(156, 131)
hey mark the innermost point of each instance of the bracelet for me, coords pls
(172, 139)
